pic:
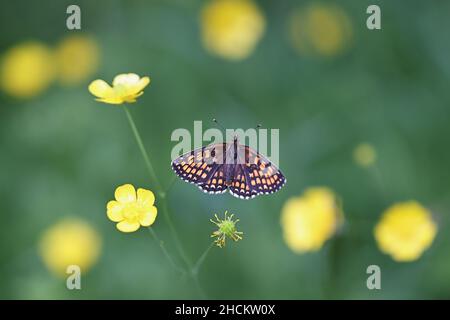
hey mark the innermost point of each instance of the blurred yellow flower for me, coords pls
(132, 210)
(227, 228)
(310, 220)
(405, 231)
(231, 29)
(77, 58)
(69, 242)
(126, 88)
(322, 29)
(26, 70)
(364, 155)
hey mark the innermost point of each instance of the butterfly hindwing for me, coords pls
(216, 182)
(240, 185)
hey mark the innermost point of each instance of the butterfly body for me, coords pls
(229, 166)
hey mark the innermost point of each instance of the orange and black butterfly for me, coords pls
(229, 166)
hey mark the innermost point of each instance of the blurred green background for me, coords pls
(63, 154)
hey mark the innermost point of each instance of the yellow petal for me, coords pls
(111, 100)
(130, 100)
(101, 89)
(141, 85)
(145, 197)
(114, 211)
(126, 79)
(149, 217)
(125, 194)
(126, 226)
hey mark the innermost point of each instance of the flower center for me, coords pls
(227, 227)
(131, 213)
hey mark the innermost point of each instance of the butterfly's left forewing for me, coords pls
(203, 167)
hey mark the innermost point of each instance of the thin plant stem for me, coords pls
(202, 258)
(196, 268)
(170, 185)
(142, 149)
(378, 179)
(165, 252)
(158, 187)
(199, 287)
(177, 241)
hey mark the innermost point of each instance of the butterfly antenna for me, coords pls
(218, 124)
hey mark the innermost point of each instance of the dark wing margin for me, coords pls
(263, 176)
(200, 165)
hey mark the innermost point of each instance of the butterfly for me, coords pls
(219, 167)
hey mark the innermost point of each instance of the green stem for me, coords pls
(164, 250)
(378, 178)
(202, 258)
(196, 268)
(177, 241)
(143, 151)
(170, 185)
(159, 188)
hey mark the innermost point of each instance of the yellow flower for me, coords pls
(126, 88)
(227, 228)
(77, 57)
(231, 29)
(132, 210)
(322, 29)
(364, 155)
(26, 70)
(405, 231)
(311, 219)
(69, 242)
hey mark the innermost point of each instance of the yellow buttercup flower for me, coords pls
(322, 29)
(405, 231)
(70, 242)
(126, 88)
(310, 220)
(132, 209)
(77, 58)
(231, 29)
(26, 70)
(364, 155)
